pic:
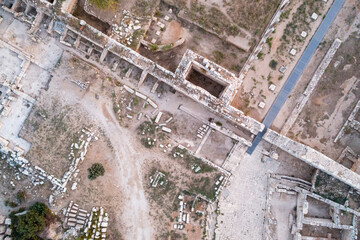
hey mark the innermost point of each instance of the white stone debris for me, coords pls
(293, 51)
(77, 155)
(124, 32)
(283, 69)
(74, 186)
(303, 34)
(5, 230)
(83, 85)
(165, 129)
(272, 87)
(202, 131)
(314, 16)
(140, 95)
(261, 105)
(168, 120)
(157, 119)
(159, 179)
(97, 225)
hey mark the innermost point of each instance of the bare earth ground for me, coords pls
(334, 98)
(128, 163)
(198, 40)
(339, 29)
(52, 125)
(255, 87)
(124, 172)
(250, 17)
(63, 108)
(217, 147)
(124, 191)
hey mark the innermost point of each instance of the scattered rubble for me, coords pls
(91, 225)
(5, 230)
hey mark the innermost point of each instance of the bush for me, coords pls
(260, 55)
(11, 204)
(32, 223)
(167, 47)
(273, 64)
(95, 171)
(21, 196)
(236, 68)
(153, 47)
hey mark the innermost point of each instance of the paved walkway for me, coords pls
(297, 71)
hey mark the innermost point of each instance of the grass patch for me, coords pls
(103, 4)
(192, 162)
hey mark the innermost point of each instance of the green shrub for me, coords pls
(21, 196)
(153, 47)
(11, 204)
(273, 64)
(95, 171)
(236, 68)
(32, 223)
(167, 47)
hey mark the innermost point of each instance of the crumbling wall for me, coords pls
(314, 158)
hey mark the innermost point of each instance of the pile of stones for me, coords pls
(124, 32)
(5, 230)
(75, 217)
(77, 154)
(37, 175)
(97, 225)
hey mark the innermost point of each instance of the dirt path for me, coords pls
(135, 209)
(130, 214)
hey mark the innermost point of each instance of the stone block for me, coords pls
(293, 52)
(261, 105)
(314, 16)
(7, 221)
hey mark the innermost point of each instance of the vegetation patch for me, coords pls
(96, 170)
(273, 64)
(103, 4)
(29, 224)
(331, 188)
(192, 162)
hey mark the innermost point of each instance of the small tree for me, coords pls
(95, 171)
(21, 196)
(30, 224)
(273, 64)
(219, 124)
